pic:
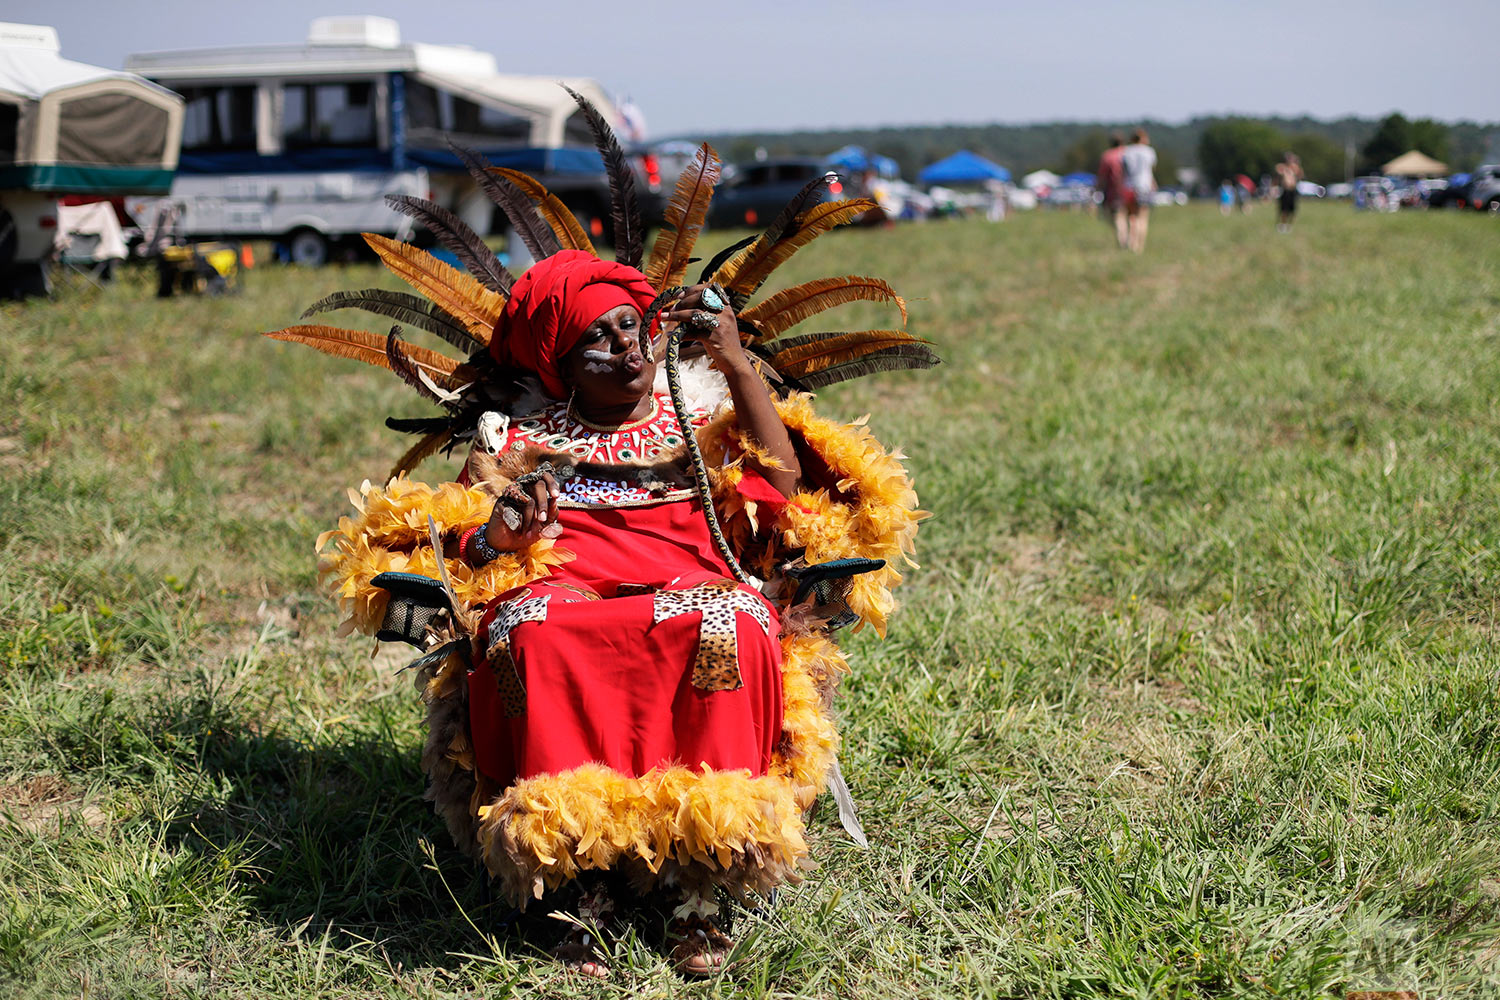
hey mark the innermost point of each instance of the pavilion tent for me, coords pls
(1040, 179)
(67, 126)
(963, 167)
(1414, 163)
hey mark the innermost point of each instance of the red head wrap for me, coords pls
(553, 303)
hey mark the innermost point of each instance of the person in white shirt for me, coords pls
(1138, 161)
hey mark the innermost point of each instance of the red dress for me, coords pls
(630, 654)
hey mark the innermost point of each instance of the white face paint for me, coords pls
(590, 354)
(596, 361)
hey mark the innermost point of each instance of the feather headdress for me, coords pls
(462, 308)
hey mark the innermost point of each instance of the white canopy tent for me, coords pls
(1040, 179)
(67, 126)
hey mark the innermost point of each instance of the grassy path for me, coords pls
(1195, 693)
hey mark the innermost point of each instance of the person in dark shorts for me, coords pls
(1288, 174)
(1110, 181)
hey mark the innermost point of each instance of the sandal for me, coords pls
(699, 948)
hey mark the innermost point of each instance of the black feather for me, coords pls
(402, 306)
(535, 231)
(788, 343)
(784, 223)
(719, 258)
(403, 366)
(418, 425)
(889, 359)
(630, 234)
(455, 234)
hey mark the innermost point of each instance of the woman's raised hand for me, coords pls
(722, 341)
(525, 512)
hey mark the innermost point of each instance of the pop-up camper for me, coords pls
(70, 128)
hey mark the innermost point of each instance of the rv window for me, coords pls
(576, 131)
(218, 118)
(432, 114)
(10, 117)
(328, 114)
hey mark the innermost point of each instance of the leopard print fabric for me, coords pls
(716, 666)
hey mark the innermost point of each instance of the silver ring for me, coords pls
(703, 320)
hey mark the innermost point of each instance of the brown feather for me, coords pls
(804, 355)
(787, 308)
(684, 218)
(748, 270)
(561, 218)
(422, 450)
(458, 294)
(362, 346)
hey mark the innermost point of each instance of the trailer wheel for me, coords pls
(308, 248)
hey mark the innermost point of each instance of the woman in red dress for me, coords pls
(642, 652)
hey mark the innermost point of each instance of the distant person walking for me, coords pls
(1139, 162)
(1288, 175)
(1226, 198)
(1110, 179)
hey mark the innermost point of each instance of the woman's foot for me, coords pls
(581, 948)
(579, 953)
(698, 948)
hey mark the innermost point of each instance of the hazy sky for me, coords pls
(775, 64)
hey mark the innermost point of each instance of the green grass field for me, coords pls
(1194, 694)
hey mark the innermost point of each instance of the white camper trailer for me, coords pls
(70, 128)
(301, 142)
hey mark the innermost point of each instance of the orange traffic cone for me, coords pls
(247, 256)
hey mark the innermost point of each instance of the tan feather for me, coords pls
(561, 218)
(366, 347)
(684, 219)
(473, 305)
(420, 451)
(748, 270)
(791, 306)
(806, 358)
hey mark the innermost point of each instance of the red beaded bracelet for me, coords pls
(463, 544)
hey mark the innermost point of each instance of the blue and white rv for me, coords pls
(300, 143)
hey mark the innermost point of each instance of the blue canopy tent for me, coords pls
(1078, 179)
(855, 160)
(963, 167)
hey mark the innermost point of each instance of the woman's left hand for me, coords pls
(722, 342)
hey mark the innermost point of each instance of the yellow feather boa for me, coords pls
(695, 826)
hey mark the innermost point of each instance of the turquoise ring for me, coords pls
(711, 299)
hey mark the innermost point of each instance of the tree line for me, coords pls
(1219, 147)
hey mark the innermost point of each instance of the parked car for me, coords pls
(753, 193)
(1484, 188)
(1455, 193)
